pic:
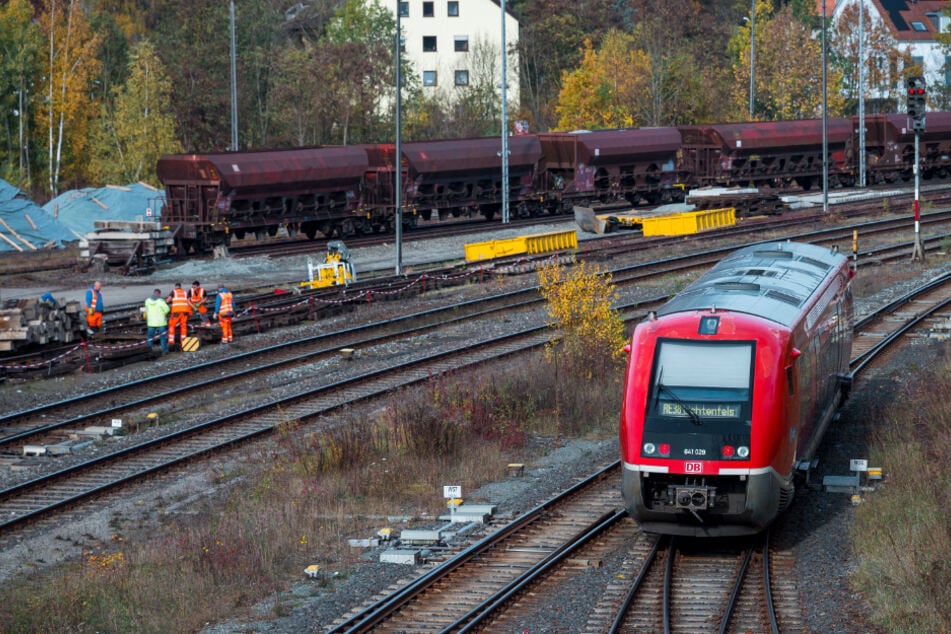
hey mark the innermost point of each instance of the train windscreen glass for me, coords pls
(699, 404)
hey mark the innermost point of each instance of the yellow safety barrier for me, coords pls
(688, 222)
(532, 244)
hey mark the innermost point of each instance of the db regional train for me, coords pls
(729, 388)
(342, 191)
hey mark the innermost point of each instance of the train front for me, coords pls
(704, 423)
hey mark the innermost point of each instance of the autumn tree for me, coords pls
(788, 71)
(593, 95)
(70, 65)
(136, 125)
(580, 300)
(20, 45)
(550, 42)
(884, 60)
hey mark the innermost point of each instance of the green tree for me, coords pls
(358, 49)
(20, 44)
(136, 125)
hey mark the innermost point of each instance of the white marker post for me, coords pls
(452, 493)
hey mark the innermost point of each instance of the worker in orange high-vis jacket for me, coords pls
(224, 313)
(181, 310)
(196, 297)
(94, 308)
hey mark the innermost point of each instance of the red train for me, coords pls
(731, 385)
(340, 191)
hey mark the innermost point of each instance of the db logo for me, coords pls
(693, 467)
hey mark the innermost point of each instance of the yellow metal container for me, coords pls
(688, 222)
(532, 244)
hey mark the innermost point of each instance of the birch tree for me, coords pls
(70, 65)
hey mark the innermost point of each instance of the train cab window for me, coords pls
(698, 382)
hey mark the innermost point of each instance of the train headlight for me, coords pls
(743, 452)
(649, 448)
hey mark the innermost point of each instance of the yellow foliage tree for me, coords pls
(580, 300)
(70, 65)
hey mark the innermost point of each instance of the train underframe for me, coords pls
(705, 506)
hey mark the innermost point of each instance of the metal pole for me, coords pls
(917, 253)
(398, 159)
(825, 116)
(505, 137)
(234, 87)
(861, 7)
(752, 52)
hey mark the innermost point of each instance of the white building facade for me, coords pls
(452, 44)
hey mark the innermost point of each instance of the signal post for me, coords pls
(916, 112)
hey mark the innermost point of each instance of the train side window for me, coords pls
(789, 381)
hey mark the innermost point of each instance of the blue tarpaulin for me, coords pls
(79, 209)
(25, 226)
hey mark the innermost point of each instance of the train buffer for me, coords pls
(527, 245)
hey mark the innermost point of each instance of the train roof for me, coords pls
(773, 280)
(764, 135)
(238, 170)
(937, 127)
(483, 153)
(611, 146)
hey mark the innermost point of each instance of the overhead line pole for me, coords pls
(825, 116)
(234, 86)
(398, 159)
(505, 139)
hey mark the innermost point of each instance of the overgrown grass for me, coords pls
(902, 533)
(295, 501)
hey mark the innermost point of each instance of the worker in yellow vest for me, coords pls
(181, 310)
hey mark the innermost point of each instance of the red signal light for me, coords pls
(728, 451)
(664, 449)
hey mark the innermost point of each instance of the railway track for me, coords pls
(683, 586)
(269, 311)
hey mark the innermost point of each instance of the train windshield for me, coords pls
(700, 399)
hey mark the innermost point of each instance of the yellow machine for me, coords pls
(335, 270)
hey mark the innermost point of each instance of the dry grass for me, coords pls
(293, 502)
(903, 532)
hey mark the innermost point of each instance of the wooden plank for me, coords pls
(11, 242)
(30, 220)
(17, 235)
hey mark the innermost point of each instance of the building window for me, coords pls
(404, 9)
(452, 8)
(918, 26)
(428, 10)
(429, 78)
(429, 43)
(462, 78)
(462, 44)
(947, 70)
(402, 43)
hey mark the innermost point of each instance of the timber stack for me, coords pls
(39, 321)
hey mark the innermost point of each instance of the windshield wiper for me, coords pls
(694, 416)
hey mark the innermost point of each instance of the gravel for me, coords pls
(815, 529)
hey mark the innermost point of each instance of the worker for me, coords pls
(156, 318)
(224, 313)
(196, 297)
(94, 308)
(181, 310)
